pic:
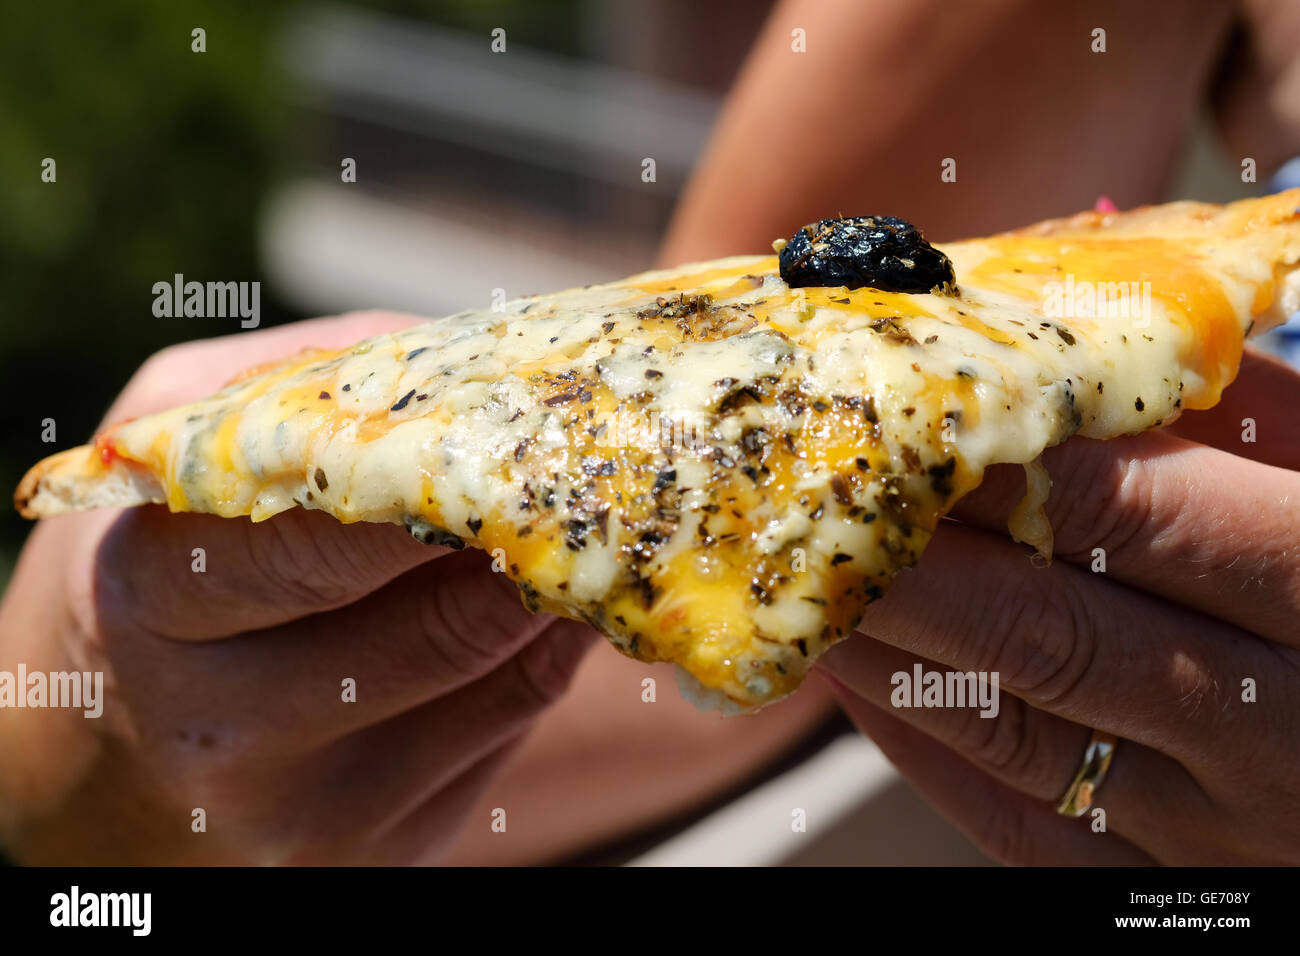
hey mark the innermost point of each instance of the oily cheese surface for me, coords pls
(710, 467)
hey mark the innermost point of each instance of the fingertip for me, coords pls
(551, 660)
(837, 686)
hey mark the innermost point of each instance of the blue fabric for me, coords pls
(1285, 340)
(1288, 177)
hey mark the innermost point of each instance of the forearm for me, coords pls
(1038, 124)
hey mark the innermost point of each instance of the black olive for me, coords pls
(877, 251)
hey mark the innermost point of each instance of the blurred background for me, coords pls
(226, 165)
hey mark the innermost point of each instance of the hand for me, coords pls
(225, 688)
(1201, 591)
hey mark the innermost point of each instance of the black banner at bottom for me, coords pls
(331, 905)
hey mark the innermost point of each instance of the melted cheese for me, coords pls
(720, 471)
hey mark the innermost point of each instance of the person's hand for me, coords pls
(1197, 611)
(226, 687)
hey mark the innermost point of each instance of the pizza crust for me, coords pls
(75, 480)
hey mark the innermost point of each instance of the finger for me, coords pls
(293, 830)
(1004, 823)
(197, 577)
(429, 835)
(413, 756)
(1255, 418)
(1153, 801)
(1198, 526)
(258, 574)
(433, 631)
(1076, 645)
(395, 775)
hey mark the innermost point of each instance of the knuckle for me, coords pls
(298, 557)
(292, 563)
(1003, 744)
(547, 665)
(468, 631)
(1047, 637)
(1106, 502)
(160, 362)
(540, 675)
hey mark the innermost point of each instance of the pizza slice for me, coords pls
(719, 465)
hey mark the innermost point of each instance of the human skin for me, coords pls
(1038, 124)
(1199, 528)
(1200, 595)
(592, 766)
(225, 688)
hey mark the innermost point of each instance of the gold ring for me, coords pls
(1092, 772)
